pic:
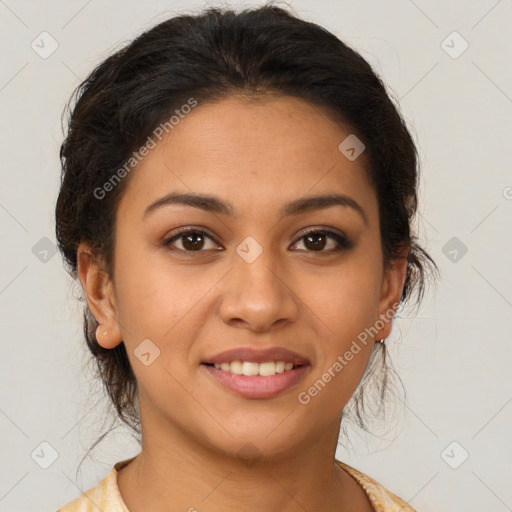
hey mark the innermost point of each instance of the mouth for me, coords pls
(257, 374)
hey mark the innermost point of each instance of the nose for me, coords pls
(256, 297)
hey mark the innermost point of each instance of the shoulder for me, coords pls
(105, 496)
(381, 499)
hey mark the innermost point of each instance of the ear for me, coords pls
(391, 292)
(99, 292)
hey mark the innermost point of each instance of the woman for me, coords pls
(236, 203)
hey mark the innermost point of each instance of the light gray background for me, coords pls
(454, 357)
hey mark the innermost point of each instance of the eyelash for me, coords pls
(343, 242)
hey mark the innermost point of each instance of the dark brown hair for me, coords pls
(209, 56)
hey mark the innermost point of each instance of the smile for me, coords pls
(266, 383)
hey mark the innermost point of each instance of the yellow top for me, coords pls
(107, 498)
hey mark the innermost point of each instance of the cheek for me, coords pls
(346, 299)
(158, 304)
(347, 312)
(152, 296)
(165, 304)
(345, 306)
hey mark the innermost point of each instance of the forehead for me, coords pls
(253, 152)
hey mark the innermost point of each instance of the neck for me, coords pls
(174, 470)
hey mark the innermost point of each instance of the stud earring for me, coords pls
(98, 330)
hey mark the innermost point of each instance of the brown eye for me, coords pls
(317, 241)
(190, 241)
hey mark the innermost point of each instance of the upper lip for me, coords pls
(258, 356)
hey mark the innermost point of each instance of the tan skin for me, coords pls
(258, 156)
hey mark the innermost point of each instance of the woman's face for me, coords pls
(249, 278)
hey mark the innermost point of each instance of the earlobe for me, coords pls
(108, 339)
(98, 291)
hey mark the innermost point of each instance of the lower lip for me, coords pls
(257, 386)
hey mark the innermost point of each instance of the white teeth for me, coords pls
(236, 368)
(266, 369)
(248, 368)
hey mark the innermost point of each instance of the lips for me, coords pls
(267, 384)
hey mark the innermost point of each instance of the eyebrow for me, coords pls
(213, 204)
